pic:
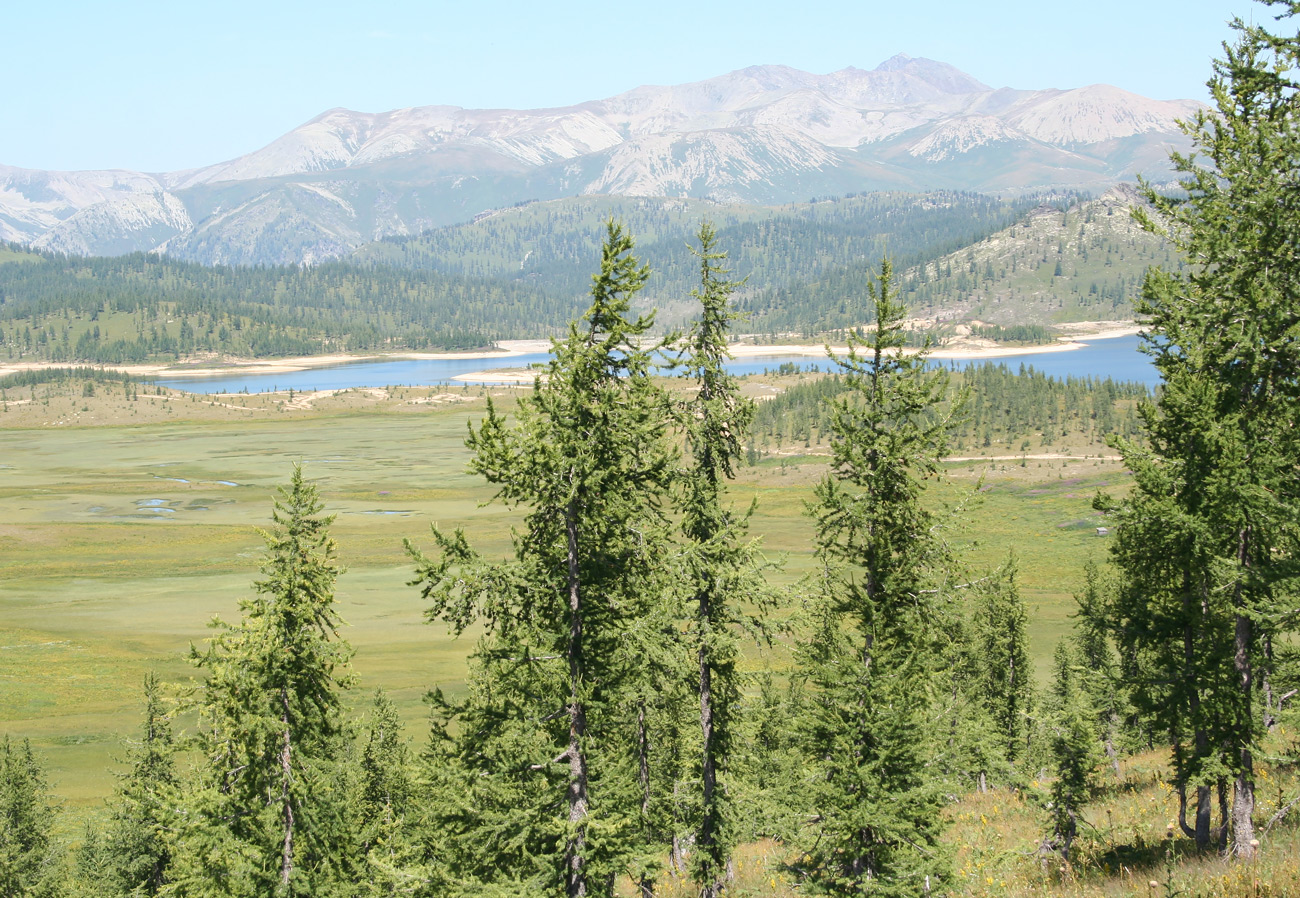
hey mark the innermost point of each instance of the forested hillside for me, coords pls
(522, 272)
(1076, 264)
(140, 307)
(803, 261)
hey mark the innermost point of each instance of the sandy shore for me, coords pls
(236, 367)
(962, 348)
(958, 349)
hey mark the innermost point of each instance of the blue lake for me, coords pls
(1117, 358)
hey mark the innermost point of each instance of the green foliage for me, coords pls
(137, 847)
(1101, 674)
(567, 650)
(1016, 333)
(142, 307)
(804, 259)
(29, 857)
(722, 568)
(1073, 744)
(872, 651)
(33, 377)
(1006, 406)
(265, 813)
(1208, 539)
(387, 812)
(1006, 679)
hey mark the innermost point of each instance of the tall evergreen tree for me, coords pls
(138, 841)
(872, 653)
(722, 564)
(1101, 677)
(1073, 743)
(266, 816)
(386, 812)
(1003, 649)
(29, 865)
(1207, 541)
(590, 461)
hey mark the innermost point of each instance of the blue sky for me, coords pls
(158, 86)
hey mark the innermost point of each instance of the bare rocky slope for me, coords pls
(761, 135)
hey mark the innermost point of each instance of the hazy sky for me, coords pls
(159, 86)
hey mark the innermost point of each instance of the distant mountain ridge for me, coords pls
(760, 135)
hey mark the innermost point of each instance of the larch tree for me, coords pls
(1072, 739)
(387, 810)
(138, 840)
(723, 569)
(1003, 649)
(266, 816)
(1101, 679)
(1207, 541)
(29, 855)
(589, 459)
(872, 653)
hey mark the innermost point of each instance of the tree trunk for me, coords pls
(1110, 749)
(575, 850)
(1204, 816)
(1266, 684)
(708, 771)
(1221, 835)
(1201, 832)
(1243, 797)
(647, 882)
(286, 798)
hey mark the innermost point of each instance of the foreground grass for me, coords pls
(1126, 848)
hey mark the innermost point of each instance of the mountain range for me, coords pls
(761, 135)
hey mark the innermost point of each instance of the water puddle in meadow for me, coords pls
(403, 514)
(156, 506)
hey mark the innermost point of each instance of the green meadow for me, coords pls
(128, 524)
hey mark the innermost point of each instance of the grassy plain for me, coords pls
(128, 523)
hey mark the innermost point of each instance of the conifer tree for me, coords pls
(93, 874)
(266, 813)
(1206, 542)
(1003, 647)
(138, 841)
(29, 857)
(972, 749)
(1073, 742)
(589, 460)
(386, 810)
(1100, 667)
(722, 565)
(871, 655)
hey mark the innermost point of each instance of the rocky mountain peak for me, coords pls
(761, 134)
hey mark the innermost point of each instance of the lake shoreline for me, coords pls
(207, 367)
